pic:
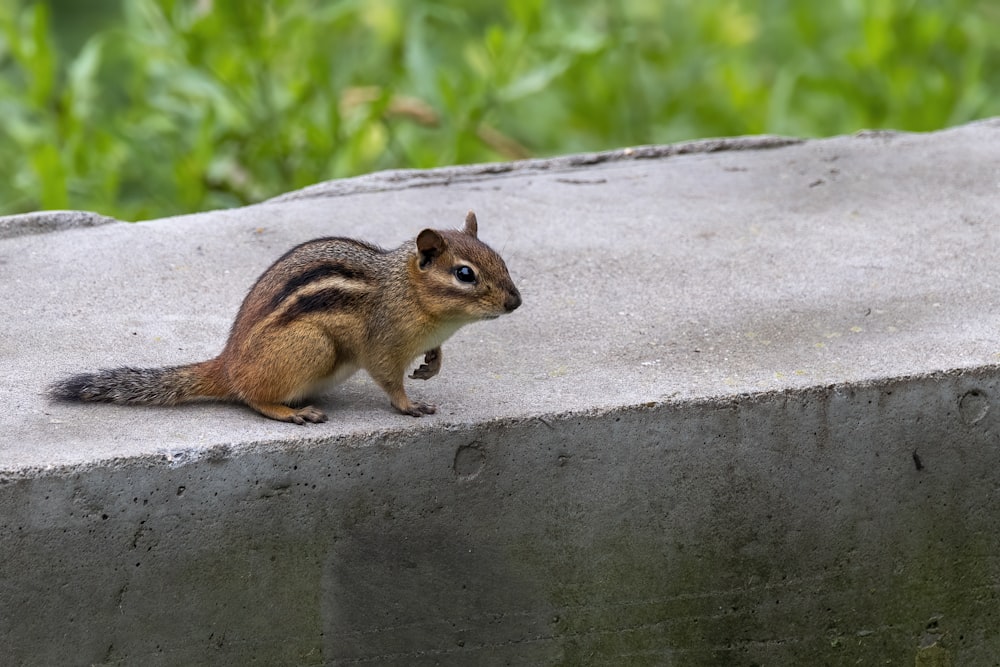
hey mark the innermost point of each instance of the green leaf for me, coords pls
(535, 80)
(48, 168)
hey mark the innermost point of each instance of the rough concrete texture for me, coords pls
(41, 222)
(743, 417)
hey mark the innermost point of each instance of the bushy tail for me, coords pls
(143, 386)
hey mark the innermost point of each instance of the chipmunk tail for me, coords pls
(143, 386)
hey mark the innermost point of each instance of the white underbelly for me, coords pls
(341, 373)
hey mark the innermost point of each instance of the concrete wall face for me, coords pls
(857, 523)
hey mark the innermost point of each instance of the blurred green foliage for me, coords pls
(171, 106)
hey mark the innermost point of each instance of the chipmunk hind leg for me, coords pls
(269, 385)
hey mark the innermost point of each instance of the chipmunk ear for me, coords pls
(430, 244)
(471, 225)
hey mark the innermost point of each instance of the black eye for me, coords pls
(464, 274)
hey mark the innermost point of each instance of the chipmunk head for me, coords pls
(461, 277)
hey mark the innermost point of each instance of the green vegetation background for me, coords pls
(147, 108)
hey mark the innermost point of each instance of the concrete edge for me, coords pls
(44, 222)
(399, 179)
(173, 458)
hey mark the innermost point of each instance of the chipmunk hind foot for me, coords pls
(284, 413)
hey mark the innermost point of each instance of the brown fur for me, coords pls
(325, 308)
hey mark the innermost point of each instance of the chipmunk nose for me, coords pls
(513, 301)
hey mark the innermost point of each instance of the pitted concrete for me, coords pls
(744, 415)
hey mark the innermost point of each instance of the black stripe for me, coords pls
(314, 274)
(330, 299)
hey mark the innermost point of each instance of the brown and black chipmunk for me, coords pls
(325, 309)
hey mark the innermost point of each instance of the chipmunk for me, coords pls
(325, 309)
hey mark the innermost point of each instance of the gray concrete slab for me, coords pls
(747, 373)
(707, 274)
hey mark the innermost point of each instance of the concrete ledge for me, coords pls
(42, 222)
(398, 179)
(746, 415)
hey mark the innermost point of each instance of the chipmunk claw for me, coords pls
(418, 409)
(430, 367)
(424, 372)
(309, 414)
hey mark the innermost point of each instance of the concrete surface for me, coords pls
(744, 416)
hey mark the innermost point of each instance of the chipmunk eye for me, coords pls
(464, 274)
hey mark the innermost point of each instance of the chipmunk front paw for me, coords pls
(430, 367)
